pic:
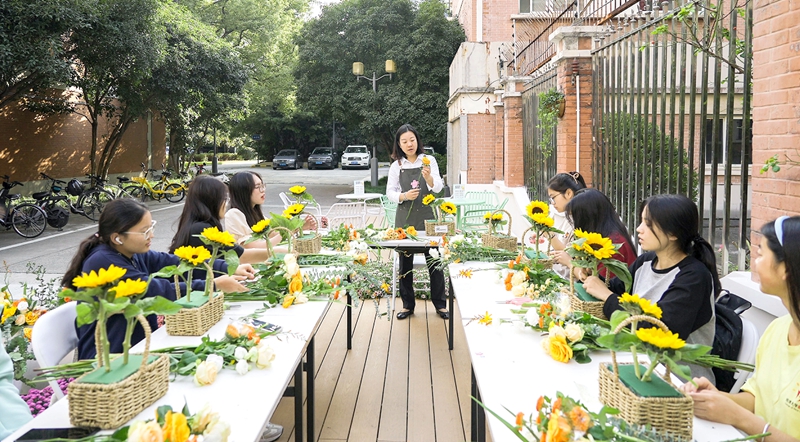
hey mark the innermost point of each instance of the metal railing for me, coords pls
(538, 167)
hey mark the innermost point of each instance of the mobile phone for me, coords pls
(37, 434)
(266, 325)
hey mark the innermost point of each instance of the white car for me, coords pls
(355, 156)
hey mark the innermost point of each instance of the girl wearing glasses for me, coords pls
(247, 195)
(770, 400)
(124, 234)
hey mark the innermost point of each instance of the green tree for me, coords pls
(33, 55)
(421, 41)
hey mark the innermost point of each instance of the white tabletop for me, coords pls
(245, 402)
(527, 372)
(359, 196)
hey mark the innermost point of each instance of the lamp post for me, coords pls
(358, 71)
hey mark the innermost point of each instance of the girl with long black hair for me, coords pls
(247, 194)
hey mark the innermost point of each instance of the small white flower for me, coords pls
(532, 316)
(252, 354)
(22, 306)
(434, 253)
(215, 360)
(242, 367)
(240, 353)
(574, 332)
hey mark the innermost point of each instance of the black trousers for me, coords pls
(407, 282)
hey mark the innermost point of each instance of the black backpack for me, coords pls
(728, 334)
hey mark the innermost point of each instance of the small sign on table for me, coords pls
(458, 191)
(358, 187)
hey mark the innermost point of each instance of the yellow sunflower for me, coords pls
(448, 207)
(497, 217)
(598, 246)
(428, 199)
(644, 305)
(660, 338)
(297, 190)
(536, 207)
(130, 287)
(580, 233)
(213, 234)
(99, 279)
(543, 219)
(294, 209)
(487, 216)
(261, 225)
(193, 255)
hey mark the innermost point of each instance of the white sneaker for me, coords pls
(271, 433)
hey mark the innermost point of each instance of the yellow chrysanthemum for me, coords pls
(129, 287)
(580, 233)
(448, 207)
(644, 305)
(543, 219)
(294, 209)
(213, 234)
(660, 338)
(486, 319)
(598, 246)
(411, 230)
(193, 255)
(428, 199)
(261, 225)
(425, 160)
(385, 287)
(99, 279)
(537, 207)
(297, 190)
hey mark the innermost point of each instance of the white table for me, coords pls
(245, 402)
(511, 370)
(359, 196)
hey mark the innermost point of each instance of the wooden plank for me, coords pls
(446, 407)
(338, 420)
(367, 412)
(420, 394)
(394, 408)
(461, 368)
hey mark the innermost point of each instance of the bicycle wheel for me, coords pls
(93, 201)
(174, 192)
(135, 191)
(28, 220)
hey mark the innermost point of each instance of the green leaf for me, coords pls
(87, 313)
(618, 342)
(505, 422)
(132, 311)
(617, 317)
(690, 352)
(158, 305)
(115, 307)
(232, 259)
(166, 272)
(681, 371)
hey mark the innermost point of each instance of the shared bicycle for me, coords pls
(28, 220)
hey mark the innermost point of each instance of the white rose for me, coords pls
(557, 330)
(203, 418)
(252, 354)
(141, 431)
(574, 332)
(291, 264)
(519, 290)
(456, 239)
(532, 316)
(20, 320)
(265, 356)
(434, 253)
(217, 431)
(300, 298)
(205, 373)
(22, 306)
(242, 367)
(216, 360)
(546, 345)
(518, 278)
(240, 353)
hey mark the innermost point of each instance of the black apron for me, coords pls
(413, 212)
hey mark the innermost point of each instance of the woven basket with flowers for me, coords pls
(495, 239)
(442, 209)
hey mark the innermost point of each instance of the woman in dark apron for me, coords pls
(410, 180)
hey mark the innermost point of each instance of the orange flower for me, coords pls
(540, 403)
(296, 284)
(511, 264)
(557, 404)
(543, 437)
(520, 420)
(580, 419)
(558, 429)
(541, 322)
(175, 427)
(508, 287)
(27, 331)
(232, 331)
(508, 277)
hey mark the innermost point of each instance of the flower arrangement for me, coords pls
(532, 279)
(440, 206)
(493, 220)
(16, 325)
(589, 250)
(174, 426)
(570, 335)
(538, 215)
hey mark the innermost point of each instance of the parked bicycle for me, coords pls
(28, 220)
(58, 206)
(143, 189)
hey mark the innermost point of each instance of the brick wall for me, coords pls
(514, 175)
(495, 18)
(58, 145)
(481, 145)
(568, 124)
(776, 108)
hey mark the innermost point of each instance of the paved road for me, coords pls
(54, 249)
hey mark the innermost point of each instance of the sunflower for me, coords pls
(497, 217)
(99, 279)
(448, 207)
(193, 255)
(213, 234)
(580, 233)
(295, 209)
(543, 219)
(297, 190)
(598, 246)
(131, 287)
(640, 305)
(660, 338)
(487, 216)
(261, 226)
(536, 207)
(428, 199)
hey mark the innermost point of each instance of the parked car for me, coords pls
(323, 157)
(428, 150)
(355, 156)
(287, 159)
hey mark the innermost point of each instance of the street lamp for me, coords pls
(358, 71)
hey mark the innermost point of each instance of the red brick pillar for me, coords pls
(573, 62)
(513, 173)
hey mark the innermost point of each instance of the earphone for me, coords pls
(118, 241)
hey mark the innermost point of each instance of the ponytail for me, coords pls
(703, 252)
(76, 264)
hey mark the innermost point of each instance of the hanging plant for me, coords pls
(551, 107)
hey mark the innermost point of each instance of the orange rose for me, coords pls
(557, 404)
(540, 403)
(175, 427)
(520, 420)
(559, 349)
(558, 429)
(580, 419)
(232, 331)
(296, 285)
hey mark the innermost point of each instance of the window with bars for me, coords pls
(722, 140)
(528, 6)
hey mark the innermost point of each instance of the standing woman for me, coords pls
(247, 195)
(409, 182)
(769, 400)
(678, 272)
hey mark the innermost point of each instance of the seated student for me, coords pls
(678, 272)
(123, 237)
(591, 211)
(206, 202)
(247, 195)
(770, 400)
(560, 190)
(15, 412)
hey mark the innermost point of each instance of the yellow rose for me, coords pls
(559, 349)
(176, 428)
(31, 317)
(558, 429)
(287, 301)
(296, 284)
(205, 373)
(8, 312)
(574, 332)
(142, 431)
(28, 331)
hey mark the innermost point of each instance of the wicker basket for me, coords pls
(196, 321)
(306, 246)
(591, 307)
(546, 262)
(430, 227)
(673, 415)
(500, 241)
(112, 405)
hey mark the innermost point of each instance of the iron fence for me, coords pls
(538, 164)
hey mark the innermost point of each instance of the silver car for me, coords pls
(323, 157)
(355, 156)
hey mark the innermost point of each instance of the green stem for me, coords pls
(210, 271)
(633, 352)
(104, 349)
(653, 363)
(126, 344)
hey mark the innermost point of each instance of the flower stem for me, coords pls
(126, 344)
(653, 363)
(104, 349)
(633, 352)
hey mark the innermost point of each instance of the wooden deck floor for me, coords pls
(398, 383)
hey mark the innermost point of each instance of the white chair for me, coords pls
(347, 213)
(54, 337)
(312, 208)
(747, 353)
